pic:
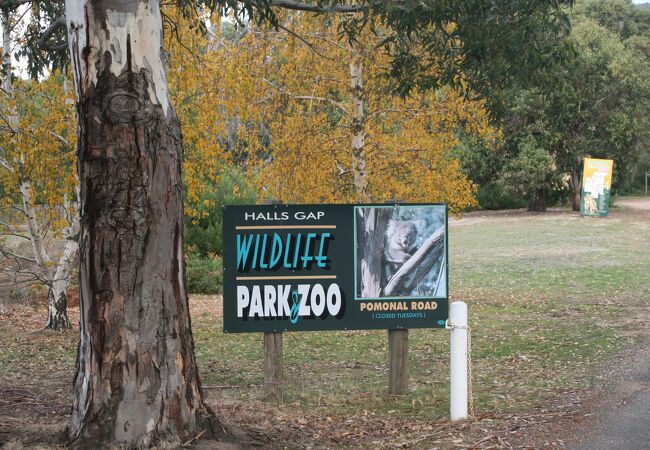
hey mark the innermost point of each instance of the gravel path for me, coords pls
(636, 203)
(621, 421)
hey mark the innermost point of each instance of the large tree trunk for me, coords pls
(358, 125)
(576, 190)
(137, 383)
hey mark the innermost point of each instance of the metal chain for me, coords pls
(470, 379)
(470, 383)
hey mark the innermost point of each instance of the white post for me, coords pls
(458, 363)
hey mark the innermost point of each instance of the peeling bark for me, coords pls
(57, 304)
(137, 383)
(57, 310)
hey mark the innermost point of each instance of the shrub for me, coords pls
(204, 274)
(203, 229)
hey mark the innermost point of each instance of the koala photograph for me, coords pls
(401, 251)
(399, 247)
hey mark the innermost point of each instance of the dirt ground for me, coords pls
(635, 202)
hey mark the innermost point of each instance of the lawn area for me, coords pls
(551, 297)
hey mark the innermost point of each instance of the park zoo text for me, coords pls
(334, 267)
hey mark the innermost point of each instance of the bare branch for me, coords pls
(22, 236)
(9, 254)
(60, 138)
(322, 99)
(310, 7)
(11, 228)
(13, 3)
(4, 163)
(311, 46)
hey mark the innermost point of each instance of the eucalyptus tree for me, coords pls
(137, 383)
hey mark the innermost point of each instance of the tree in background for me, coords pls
(632, 24)
(598, 107)
(37, 177)
(529, 174)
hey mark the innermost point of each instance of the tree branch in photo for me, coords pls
(415, 269)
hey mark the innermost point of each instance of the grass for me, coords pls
(551, 298)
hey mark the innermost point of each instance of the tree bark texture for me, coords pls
(358, 141)
(57, 299)
(137, 383)
(6, 51)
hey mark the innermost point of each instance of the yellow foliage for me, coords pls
(38, 144)
(278, 104)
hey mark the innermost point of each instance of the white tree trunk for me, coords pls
(57, 306)
(6, 52)
(114, 37)
(35, 236)
(358, 125)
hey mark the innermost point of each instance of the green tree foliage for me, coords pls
(528, 174)
(203, 237)
(473, 45)
(481, 161)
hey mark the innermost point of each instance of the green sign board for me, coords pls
(334, 267)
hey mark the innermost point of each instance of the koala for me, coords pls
(399, 246)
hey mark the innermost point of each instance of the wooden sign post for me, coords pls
(398, 358)
(273, 364)
(273, 379)
(398, 354)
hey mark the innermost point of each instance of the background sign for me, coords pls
(596, 183)
(334, 267)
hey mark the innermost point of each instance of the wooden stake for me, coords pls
(398, 371)
(273, 379)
